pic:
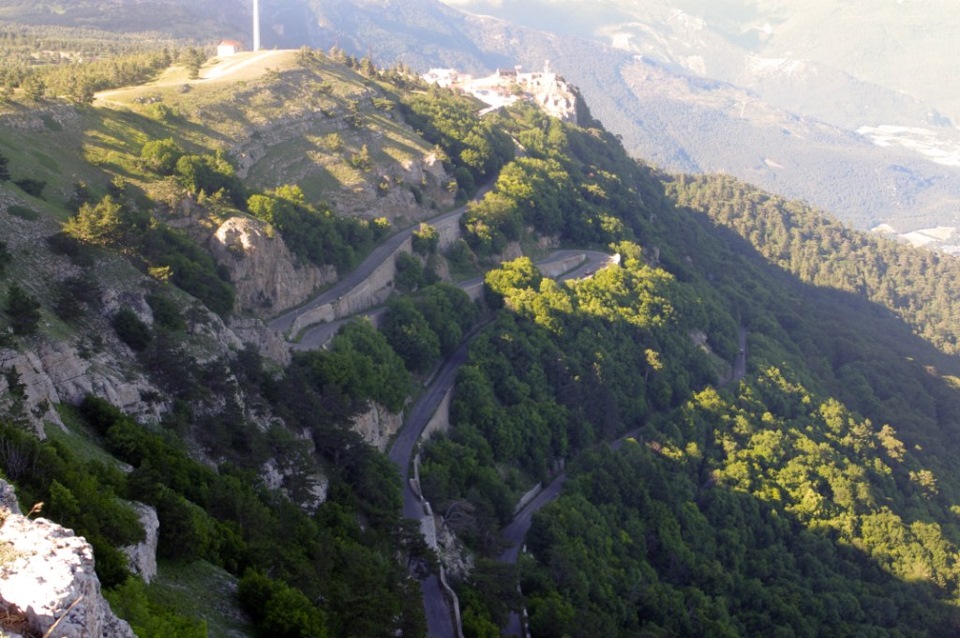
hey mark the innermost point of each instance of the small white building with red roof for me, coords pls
(226, 48)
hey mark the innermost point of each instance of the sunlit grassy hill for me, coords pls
(279, 116)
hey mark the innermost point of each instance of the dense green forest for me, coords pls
(815, 496)
(226, 517)
(920, 286)
(832, 470)
(53, 61)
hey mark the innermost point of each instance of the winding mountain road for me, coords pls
(318, 335)
(354, 279)
(359, 275)
(439, 617)
(440, 623)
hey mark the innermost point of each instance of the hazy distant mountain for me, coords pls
(845, 62)
(644, 68)
(749, 87)
(285, 22)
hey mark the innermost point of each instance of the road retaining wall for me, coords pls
(526, 498)
(448, 230)
(554, 269)
(440, 421)
(372, 291)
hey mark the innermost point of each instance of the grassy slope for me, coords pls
(201, 590)
(236, 105)
(290, 117)
(62, 144)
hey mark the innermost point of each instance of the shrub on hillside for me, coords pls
(409, 275)
(166, 312)
(31, 186)
(23, 310)
(425, 240)
(279, 610)
(210, 174)
(75, 295)
(313, 232)
(161, 156)
(5, 257)
(131, 330)
(100, 224)
(68, 246)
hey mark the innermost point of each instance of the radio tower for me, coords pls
(256, 25)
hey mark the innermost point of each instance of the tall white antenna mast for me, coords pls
(256, 25)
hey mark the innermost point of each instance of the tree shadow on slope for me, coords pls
(802, 518)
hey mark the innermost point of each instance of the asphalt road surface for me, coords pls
(318, 335)
(439, 617)
(379, 254)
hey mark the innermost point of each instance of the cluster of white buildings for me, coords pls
(507, 86)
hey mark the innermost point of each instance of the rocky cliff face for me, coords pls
(51, 372)
(142, 557)
(377, 425)
(267, 275)
(266, 340)
(47, 580)
(38, 372)
(386, 191)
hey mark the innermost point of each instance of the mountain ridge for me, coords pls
(848, 344)
(694, 139)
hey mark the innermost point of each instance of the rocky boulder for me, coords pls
(267, 342)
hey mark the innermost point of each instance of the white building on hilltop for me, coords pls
(226, 48)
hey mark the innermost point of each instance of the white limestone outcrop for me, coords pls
(142, 557)
(52, 372)
(377, 425)
(47, 577)
(267, 276)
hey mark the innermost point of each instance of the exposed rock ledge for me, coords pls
(267, 275)
(377, 425)
(47, 576)
(53, 372)
(142, 557)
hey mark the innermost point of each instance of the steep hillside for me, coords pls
(281, 117)
(743, 508)
(290, 118)
(144, 233)
(782, 390)
(678, 81)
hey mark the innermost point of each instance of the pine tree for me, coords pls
(23, 310)
(5, 257)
